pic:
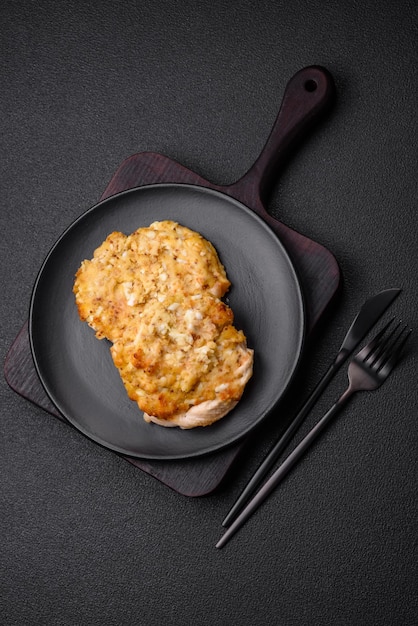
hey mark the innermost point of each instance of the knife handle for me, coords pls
(282, 442)
(280, 473)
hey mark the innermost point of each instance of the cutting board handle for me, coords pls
(307, 95)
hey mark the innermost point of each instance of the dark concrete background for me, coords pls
(86, 537)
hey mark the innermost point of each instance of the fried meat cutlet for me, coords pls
(155, 294)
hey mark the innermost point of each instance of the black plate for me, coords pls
(77, 370)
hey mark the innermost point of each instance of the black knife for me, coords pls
(369, 314)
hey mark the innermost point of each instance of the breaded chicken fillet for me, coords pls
(155, 294)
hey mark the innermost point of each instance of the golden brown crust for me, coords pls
(152, 262)
(181, 354)
(155, 295)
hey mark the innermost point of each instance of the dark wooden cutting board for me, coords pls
(307, 96)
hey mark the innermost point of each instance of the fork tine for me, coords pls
(383, 344)
(368, 350)
(392, 353)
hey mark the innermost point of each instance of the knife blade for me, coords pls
(369, 314)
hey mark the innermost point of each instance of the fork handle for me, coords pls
(271, 458)
(279, 474)
(306, 443)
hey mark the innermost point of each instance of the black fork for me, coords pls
(372, 365)
(367, 371)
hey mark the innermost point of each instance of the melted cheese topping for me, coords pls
(182, 353)
(153, 262)
(156, 295)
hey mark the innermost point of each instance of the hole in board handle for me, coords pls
(311, 85)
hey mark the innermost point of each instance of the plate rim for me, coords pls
(301, 334)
